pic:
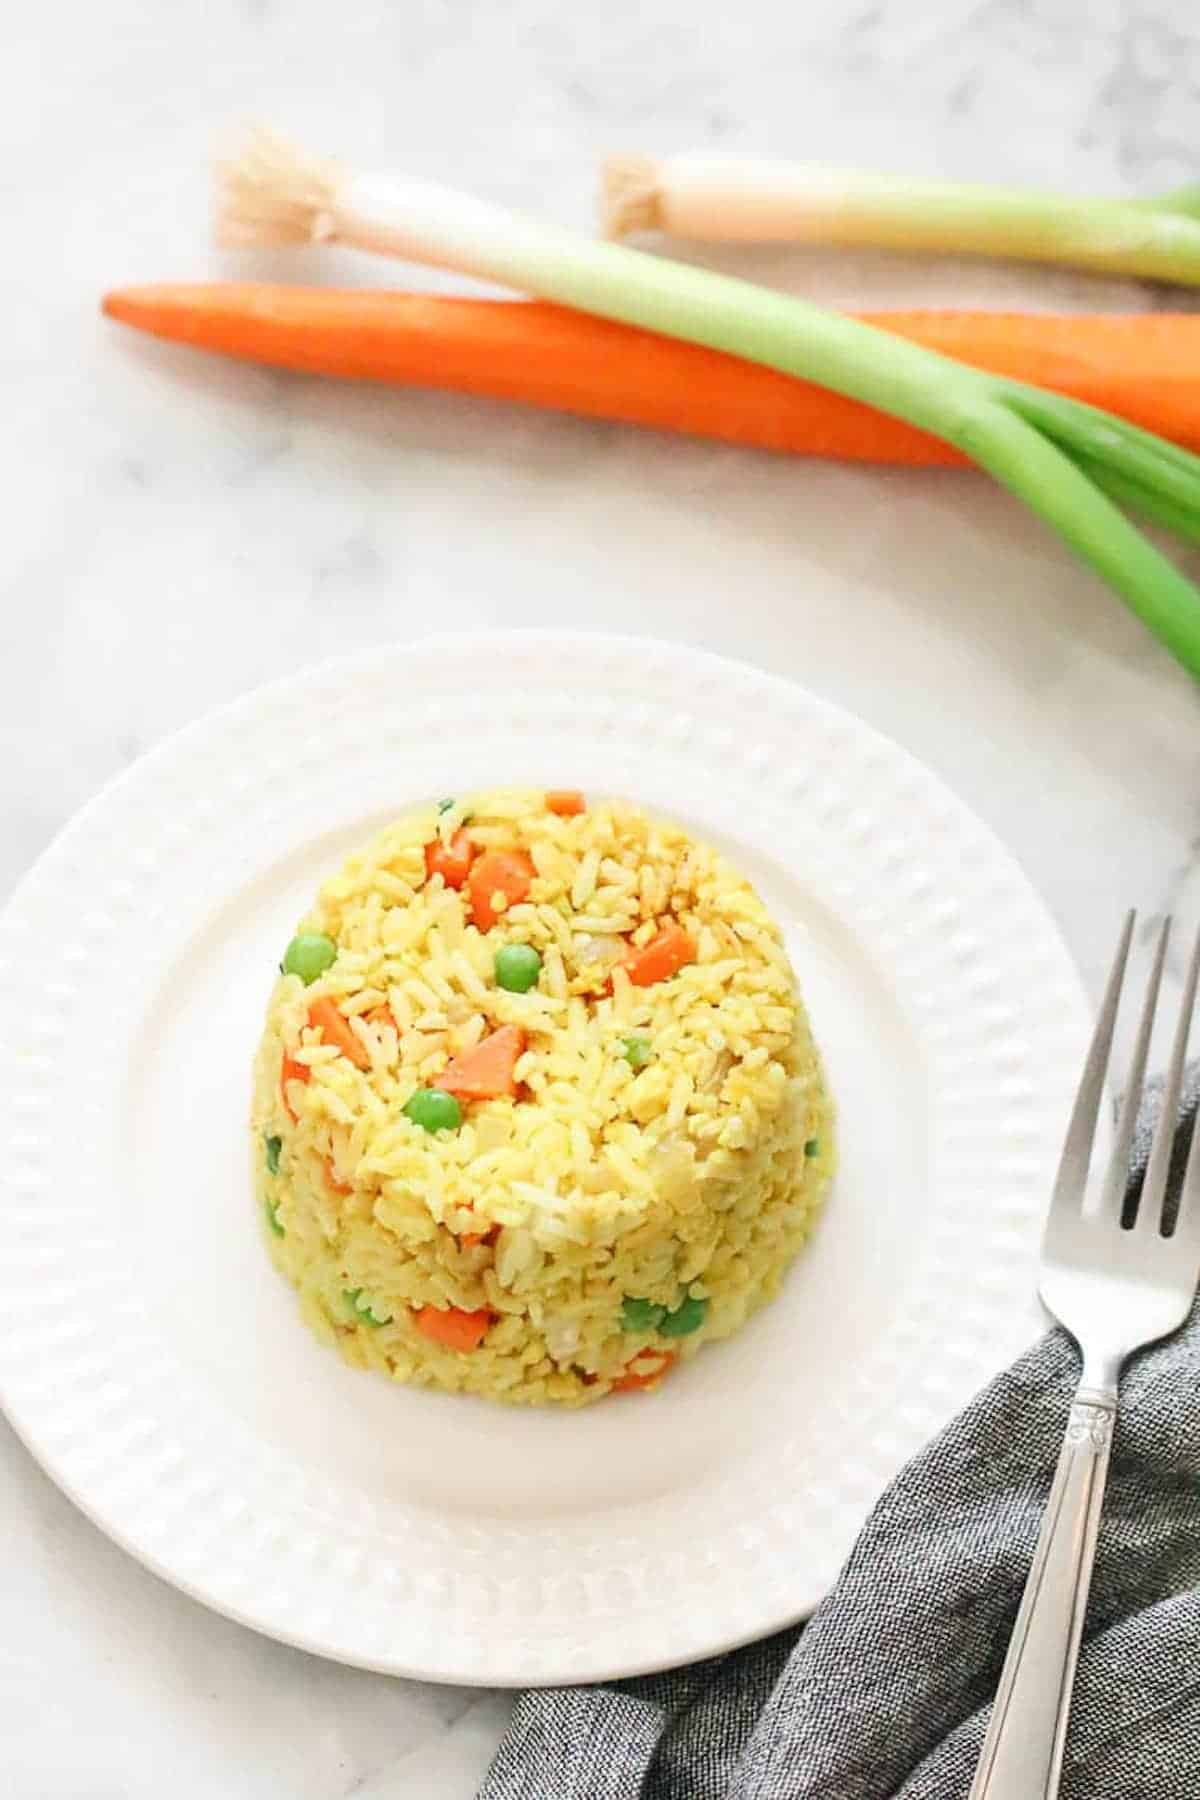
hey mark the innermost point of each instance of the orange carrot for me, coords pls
(291, 1070)
(452, 1327)
(451, 861)
(566, 802)
(381, 1015)
(339, 1187)
(471, 1239)
(507, 872)
(485, 1072)
(335, 1029)
(644, 1371)
(1143, 366)
(661, 958)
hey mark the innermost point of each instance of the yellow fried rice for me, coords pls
(661, 1144)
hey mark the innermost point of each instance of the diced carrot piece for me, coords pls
(339, 1187)
(485, 1072)
(451, 1326)
(291, 1070)
(662, 957)
(566, 802)
(335, 1029)
(471, 1239)
(381, 1015)
(451, 861)
(644, 1371)
(507, 872)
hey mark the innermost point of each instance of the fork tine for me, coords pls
(1071, 1181)
(1112, 1198)
(1155, 1185)
(1187, 1222)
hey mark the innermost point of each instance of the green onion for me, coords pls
(272, 1146)
(1057, 455)
(813, 1147)
(737, 199)
(637, 1052)
(276, 1228)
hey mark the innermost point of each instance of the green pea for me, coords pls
(273, 1220)
(309, 955)
(362, 1309)
(272, 1146)
(517, 967)
(813, 1147)
(687, 1317)
(433, 1110)
(641, 1315)
(637, 1052)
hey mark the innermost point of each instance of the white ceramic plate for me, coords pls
(155, 1364)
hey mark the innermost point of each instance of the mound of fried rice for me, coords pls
(658, 1152)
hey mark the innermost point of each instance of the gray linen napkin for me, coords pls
(884, 1694)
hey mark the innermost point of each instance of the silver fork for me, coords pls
(1115, 1284)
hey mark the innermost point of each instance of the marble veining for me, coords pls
(179, 530)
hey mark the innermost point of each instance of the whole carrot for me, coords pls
(1144, 367)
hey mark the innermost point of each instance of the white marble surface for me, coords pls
(178, 530)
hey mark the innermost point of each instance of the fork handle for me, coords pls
(1023, 1750)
